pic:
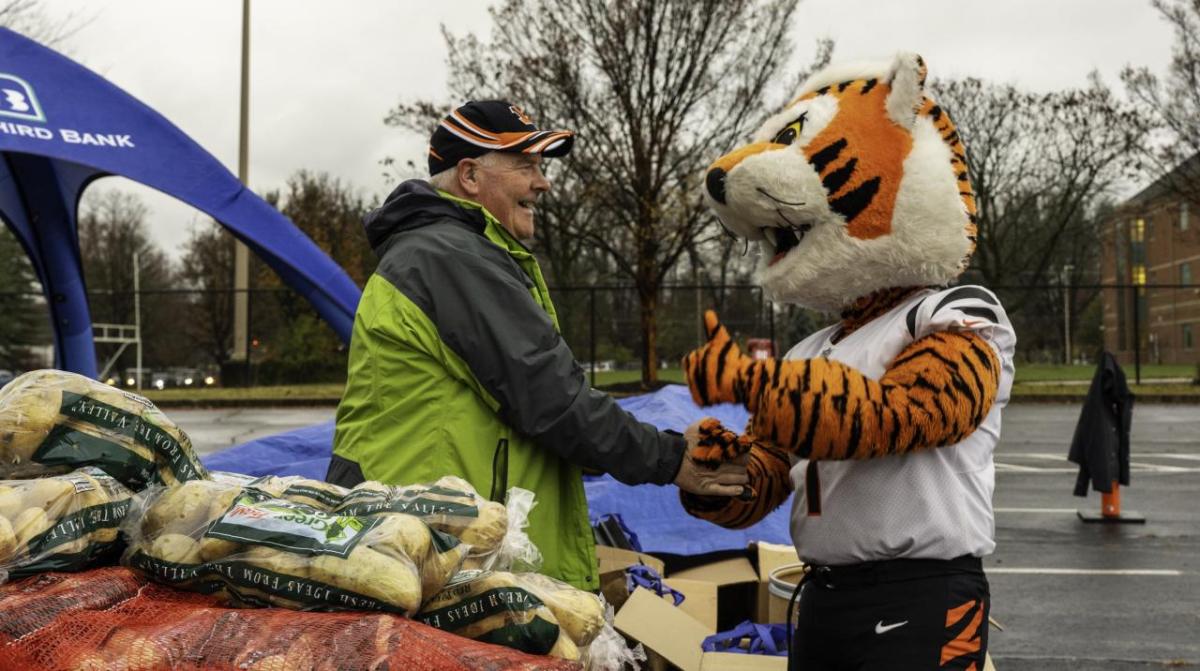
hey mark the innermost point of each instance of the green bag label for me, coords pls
(322, 496)
(176, 455)
(78, 524)
(67, 446)
(210, 577)
(480, 606)
(417, 507)
(536, 638)
(256, 518)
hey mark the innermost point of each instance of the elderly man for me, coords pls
(457, 366)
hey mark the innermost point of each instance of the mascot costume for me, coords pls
(884, 423)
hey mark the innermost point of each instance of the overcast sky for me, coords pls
(325, 73)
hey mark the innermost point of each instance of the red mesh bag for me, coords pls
(113, 620)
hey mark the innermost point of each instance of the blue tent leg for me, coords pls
(56, 245)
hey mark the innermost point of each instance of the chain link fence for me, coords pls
(1153, 329)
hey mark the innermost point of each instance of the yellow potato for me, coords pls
(565, 648)
(486, 532)
(371, 574)
(399, 535)
(26, 417)
(50, 494)
(175, 548)
(212, 549)
(8, 540)
(581, 614)
(29, 524)
(180, 509)
(279, 561)
(10, 502)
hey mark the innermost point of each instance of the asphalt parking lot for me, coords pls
(1069, 595)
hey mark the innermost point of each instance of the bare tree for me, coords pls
(1040, 164)
(28, 18)
(1172, 104)
(656, 89)
(207, 268)
(112, 227)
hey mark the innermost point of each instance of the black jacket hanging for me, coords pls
(1101, 442)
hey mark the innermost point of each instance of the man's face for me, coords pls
(509, 186)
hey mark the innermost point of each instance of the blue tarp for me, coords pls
(63, 126)
(652, 512)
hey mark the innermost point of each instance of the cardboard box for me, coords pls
(672, 637)
(663, 629)
(700, 599)
(737, 588)
(613, 562)
(768, 557)
(730, 661)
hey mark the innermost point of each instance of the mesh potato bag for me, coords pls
(450, 505)
(524, 611)
(111, 619)
(253, 548)
(60, 523)
(52, 421)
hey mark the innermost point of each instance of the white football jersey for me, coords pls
(933, 503)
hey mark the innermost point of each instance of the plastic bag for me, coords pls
(525, 611)
(609, 651)
(517, 551)
(453, 506)
(52, 421)
(59, 523)
(253, 548)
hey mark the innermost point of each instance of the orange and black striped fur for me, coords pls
(935, 393)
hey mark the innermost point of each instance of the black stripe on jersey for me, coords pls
(911, 319)
(965, 292)
(983, 313)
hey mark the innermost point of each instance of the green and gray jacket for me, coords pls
(457, 368)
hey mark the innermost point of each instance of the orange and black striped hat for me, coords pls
(480, 126)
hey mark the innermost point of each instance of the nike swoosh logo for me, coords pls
(881, 628)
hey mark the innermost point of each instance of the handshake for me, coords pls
(708, 469)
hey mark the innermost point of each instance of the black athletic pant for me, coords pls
(900, 615)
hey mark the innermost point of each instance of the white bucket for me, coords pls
(782, 584)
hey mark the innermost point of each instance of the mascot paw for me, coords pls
(714, 444)
(714, 371)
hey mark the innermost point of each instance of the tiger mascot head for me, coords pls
(857, 185)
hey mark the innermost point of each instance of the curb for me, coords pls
(1177, 399)
(292, 402)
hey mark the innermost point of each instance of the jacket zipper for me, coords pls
(500, 471)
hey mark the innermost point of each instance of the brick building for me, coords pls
(1151, 244)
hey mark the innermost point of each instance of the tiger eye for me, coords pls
(786, 136)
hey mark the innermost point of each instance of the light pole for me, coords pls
(241, 254)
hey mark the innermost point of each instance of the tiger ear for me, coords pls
(907, 81)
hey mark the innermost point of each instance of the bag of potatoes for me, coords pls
(52, 421)
(256, 548)
(525, 611)
(59, 523)
(450, 505)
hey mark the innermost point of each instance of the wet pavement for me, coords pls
(1070, 596)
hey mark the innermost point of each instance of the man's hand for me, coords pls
(727, 478)
(714, 371)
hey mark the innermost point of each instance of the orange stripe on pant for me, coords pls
(968, 640)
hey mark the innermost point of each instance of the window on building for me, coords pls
(1188, 343)
(1183, 216)
(1185, 273)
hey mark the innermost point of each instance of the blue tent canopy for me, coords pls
(62, 126)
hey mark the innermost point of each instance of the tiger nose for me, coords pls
(715, 183)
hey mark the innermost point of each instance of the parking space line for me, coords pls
(1062, 511)
(1085, 571)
